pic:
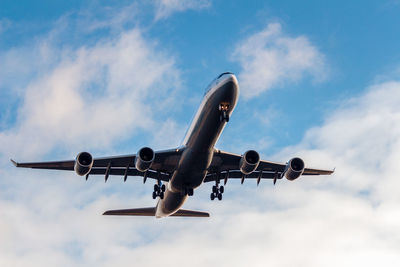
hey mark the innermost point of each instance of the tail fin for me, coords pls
(152, 212)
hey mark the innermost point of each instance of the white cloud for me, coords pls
(270, 58)
(164, 8)
(92, 96)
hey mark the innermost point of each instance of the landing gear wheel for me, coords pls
(162, 195)
(154, 195)
(163, 188)
(221, 189)
(212, 196)
(214, 189)
(219, 196)
(224, 116)
(156, 188)
(190, 191)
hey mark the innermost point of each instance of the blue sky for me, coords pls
(318, 79)
(202, 43)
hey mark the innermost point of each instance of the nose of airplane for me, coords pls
(231, 90)
(229, 77)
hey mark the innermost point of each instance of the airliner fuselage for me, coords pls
(198, 146)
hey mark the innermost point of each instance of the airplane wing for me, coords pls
(164, 164)
(225, 166)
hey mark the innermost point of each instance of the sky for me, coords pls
(318, 79)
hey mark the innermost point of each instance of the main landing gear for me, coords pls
(217, 192)
(159, 190)
(224, 108)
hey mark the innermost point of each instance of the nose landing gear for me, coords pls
(159, 190)
(224, 108)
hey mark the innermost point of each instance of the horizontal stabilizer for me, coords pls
(152, 212)
(190, 213)
(132, 212)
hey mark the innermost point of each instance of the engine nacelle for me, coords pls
(83, 163)
(249, 162)
(294, 168)
(144, 158)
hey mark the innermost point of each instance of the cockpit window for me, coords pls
(222, 74)
(213, 82)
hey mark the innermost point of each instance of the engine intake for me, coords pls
(294, 169)
(144, 159)
(249, 162)
(83, 163)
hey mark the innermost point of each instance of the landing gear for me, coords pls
(215, 189)
(159, 190)
(224, 108)
(217, 192)
(187, 191)
(224, 116)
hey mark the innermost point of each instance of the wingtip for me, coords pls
(14, 162)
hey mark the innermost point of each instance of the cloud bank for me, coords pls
(271, 58)
(90, 96)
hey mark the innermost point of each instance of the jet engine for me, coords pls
(294, 168)
(83, 163)
(249, 162)
(144, 158)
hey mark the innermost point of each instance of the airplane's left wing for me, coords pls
(163, 165)
(225, 166)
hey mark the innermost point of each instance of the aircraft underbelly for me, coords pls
(170, 204)
(199, 149)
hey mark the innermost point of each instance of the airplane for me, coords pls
(178, 172)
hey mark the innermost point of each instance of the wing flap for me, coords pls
(237, 174)
(131, 172)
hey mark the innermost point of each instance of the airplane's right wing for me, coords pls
(226, 166)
